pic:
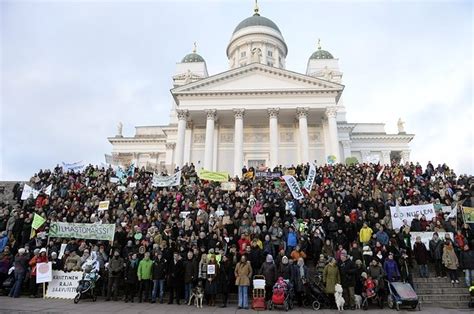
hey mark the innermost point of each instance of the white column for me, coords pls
(386, 157)
(188, 142)
(346, 145)
(238, 141)
(333, 137)
(273, 116)
(179, 154)
(365, 156)
(209, 142)
(170, 153)
(302, 114)
(405, 156)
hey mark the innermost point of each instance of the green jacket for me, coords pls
(144, 269)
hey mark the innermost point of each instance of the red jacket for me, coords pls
(35, 260)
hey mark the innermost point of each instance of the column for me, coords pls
(406, 156)
(346, 146)
(386, 157)
(179, 154)
(333, 137)
(238, 141)
(170, 153)
(209, 142)
(273, 116)
(365, 154)
(302, 114)
(188, 138)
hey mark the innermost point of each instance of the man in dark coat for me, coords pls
(466, 263)
(421, 256)
(131, 277)
(269, 271)
(226, 275)
(158, 276)
(190, 274)
(436, 251)
(115, 273)
(175, 278)
(348, 270)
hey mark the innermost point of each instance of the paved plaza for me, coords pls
(27, 305)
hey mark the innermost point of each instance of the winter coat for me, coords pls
(421, 253)
(436, 249)
(270, 272)
(116, 266)
(284, 271)
(176, 274)
(36, 260)
(243, 273)
(190, 270)
(73, 263)
(144, 269)
(299, 281)
(365, 234)
(467, 259)
(347, 272)
(130, 273)
(450, 260)
(21, 264)
(225, 276)
(331, 277)
(391, 269)
(159, 269)
(377, 273)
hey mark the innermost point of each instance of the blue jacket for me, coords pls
(391, 269)
(382, 237)
(292, 239)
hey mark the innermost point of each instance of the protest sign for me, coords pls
(27, 191)
(62, 250)
(468, 214)
(82, 231)
(310, 178)
(211, 269)
(63, 285)
(213, 175)
(294, 187)
(331, 159)
(290, 172)
(132, 185)
(228, 186)
(427, 236)
(166, 181)
(38, 221)
(114, 180)
(104, 205)
(75, 166)
(44, 272)
(267, 175)
(401, 213)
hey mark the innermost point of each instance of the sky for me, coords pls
(71, 70)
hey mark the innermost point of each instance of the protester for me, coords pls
(450, 261)
(421, 257)
(243, 274)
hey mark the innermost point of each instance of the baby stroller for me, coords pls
(282, 295)
(258, 293)
(315, 296)
(87, 285)
(471, 292)
(402, 294)
(371, 293)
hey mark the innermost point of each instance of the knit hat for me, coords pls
(269, 258)
(43, 250)
(21, 251)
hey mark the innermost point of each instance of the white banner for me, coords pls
(294, 187)
(63, 285)
(427, 236)
(310, 179)
(401, 213)
(27, 191)
(228, 186)
(166, 181)
(75, 166)
(44, 272)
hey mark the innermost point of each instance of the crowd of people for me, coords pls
(166, 238)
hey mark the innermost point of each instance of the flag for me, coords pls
(308, 184)
(48, 190)
(294, 187)
(32, 233)
(380, 173)
(38, 221)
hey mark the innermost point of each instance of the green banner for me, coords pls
(82, 231)
(38, 221)
(213, 175)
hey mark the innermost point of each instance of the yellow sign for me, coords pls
(104, 205)
(290, 172)
(213, 175)
(248, 175)
(468, 214)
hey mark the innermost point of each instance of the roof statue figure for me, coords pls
(401, 126)
(195, 48)
(119, 129)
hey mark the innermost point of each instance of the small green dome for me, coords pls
(256, 20)
(321, 54)
(192, 57)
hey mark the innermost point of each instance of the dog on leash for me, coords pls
(358, 301)
(338, 297)
(198, 295)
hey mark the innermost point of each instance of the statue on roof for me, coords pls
(119, 129)
(401, 126)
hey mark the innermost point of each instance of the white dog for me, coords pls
(339, 299)
(358, 301)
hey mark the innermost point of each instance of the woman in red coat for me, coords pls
(39, 257)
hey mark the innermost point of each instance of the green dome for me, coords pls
(321, 54)
(192, 57)
(256, 20)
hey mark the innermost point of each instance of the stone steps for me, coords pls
(438, 290)
(445, 296)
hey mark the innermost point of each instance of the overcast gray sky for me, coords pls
(71, 70)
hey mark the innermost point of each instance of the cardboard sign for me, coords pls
(104, 205)
(63, 285)
(44, 272)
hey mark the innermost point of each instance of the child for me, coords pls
(369, 285)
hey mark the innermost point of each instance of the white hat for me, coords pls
(21, 251)
(42, 250)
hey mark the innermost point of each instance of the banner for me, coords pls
(38, 221)
(44, 272)
(400, 213)
(308, 184)
(82, 231)
(166, 181)
(63, 285)
(75, 166)
(427, 236)
(104, 205)
(331, 159)
(27, 191)
(228, 186)
(290, 172)
(379, 175)
(267, 175)
(468, 214)
(114, 180)
(213, 175)
(294, 187)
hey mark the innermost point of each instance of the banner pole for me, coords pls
(44, 290)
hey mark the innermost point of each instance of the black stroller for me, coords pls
(86, 286)
(315, 296)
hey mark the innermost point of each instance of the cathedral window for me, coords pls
(270, 53)
(242, 54)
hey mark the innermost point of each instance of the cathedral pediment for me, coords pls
(258, 78)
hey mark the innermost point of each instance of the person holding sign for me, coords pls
(211, 282)
(39, 257)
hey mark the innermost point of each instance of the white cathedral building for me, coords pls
(257, 113)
